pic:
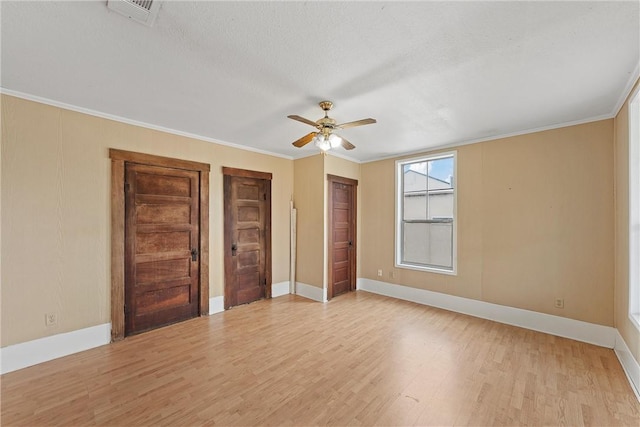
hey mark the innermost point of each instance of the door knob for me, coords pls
(234, 248)
(194, 254)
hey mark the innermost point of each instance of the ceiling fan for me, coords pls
(324, 138)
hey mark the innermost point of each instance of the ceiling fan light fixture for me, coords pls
(334, 141)
(321, 142)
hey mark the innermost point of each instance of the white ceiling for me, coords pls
(432, 73)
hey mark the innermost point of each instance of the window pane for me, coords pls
(428, 244)
(415, 191)
(440, 188)
(442, 171)
(415, 206)
(441, 205)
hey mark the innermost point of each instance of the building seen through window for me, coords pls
(426, 213)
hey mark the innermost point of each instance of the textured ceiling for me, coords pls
(432, 73)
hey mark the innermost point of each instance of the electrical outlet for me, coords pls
(392, 274)
(380, 273)
(50, 319)
(559, 303)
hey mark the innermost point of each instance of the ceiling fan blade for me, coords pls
(303, 120)
(346, 144)
(305, 140)
(356, 123)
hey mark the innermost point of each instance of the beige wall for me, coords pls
(309, 203)
(535, 222)
(628, 331)
(55, 222)
(310, 200)
(535, 218)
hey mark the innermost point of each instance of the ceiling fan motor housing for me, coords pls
(326, 122)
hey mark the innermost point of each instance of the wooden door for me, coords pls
(247, 237)
(342, 235)
(161, 246)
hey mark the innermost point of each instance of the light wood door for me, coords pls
(161, 246)
(247, 237)
(342, 235)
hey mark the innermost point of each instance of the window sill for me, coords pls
(427, 269)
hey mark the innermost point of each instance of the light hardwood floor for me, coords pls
(361, 359)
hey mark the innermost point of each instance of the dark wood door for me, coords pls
(247, 235)
(342, 235)
(161, 246)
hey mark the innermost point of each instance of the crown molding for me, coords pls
(453, 145)
(125, 120)
(629, 86)
(633, 78)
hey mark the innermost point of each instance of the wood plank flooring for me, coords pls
(361, 359)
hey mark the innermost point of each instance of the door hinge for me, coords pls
(264, 282)
(127, 186)
(264, 196)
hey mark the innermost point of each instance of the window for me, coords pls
(426, 213)
(634, 208)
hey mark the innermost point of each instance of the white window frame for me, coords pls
(398, 216)
(634, 208)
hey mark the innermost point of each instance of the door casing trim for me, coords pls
(118, 160)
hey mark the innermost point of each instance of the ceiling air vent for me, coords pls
(143, 11)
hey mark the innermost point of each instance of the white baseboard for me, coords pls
(41, 350)
(591, 333)
(216, 305)
(31, 353)
(279, 289)
(311, 292)
(630, 365)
